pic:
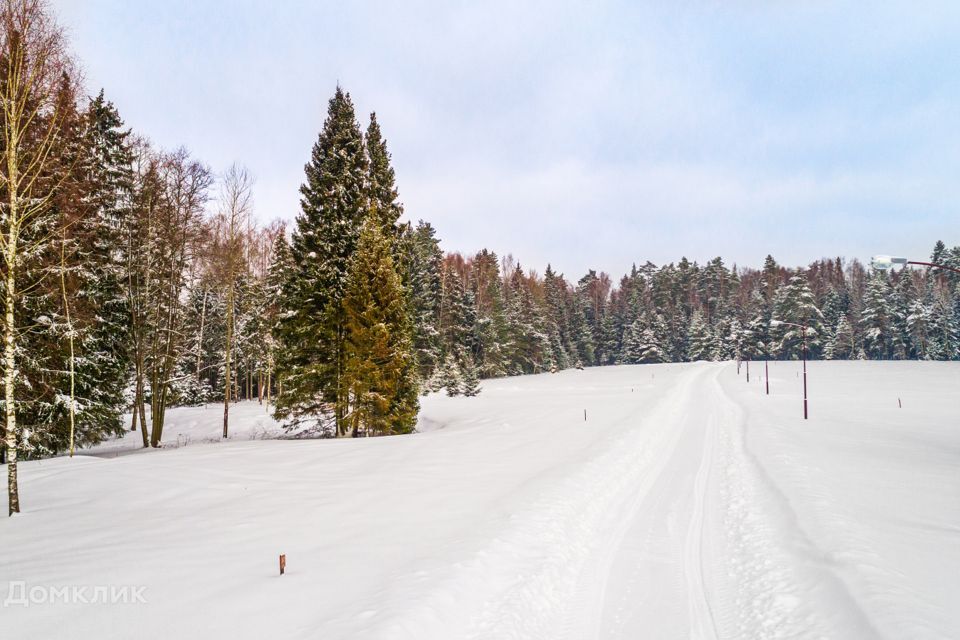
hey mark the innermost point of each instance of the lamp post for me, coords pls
(777, 323)
(883, 263)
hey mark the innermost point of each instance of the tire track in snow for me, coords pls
(654, 582)
(586, 513)
(776, 585)
(523, 582)
(702, 624)
(595, 579)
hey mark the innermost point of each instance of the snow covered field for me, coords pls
(187, 426)
(688, 504)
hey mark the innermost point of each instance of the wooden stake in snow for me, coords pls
(283, 563)
(584, 415)
(899, 404)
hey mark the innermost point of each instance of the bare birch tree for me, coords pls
(232, 232)
(185, 185)
(33, 64)
(139, 236)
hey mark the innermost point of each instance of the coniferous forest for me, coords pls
(137, 279)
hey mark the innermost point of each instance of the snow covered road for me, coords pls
(688, 504)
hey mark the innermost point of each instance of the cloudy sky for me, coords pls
(588, 135)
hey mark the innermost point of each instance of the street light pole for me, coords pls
(882, 263)
(776, 323)
(804, 369)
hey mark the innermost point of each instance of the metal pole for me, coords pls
(804, 370)
(933, 265)
(766, 374)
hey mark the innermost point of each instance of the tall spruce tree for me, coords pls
(491, 324)
(378, 350)
(795, 303)
(876, 319)
(841, 343)
(386, 210)
(424, 282)
(701, 344)
(944, 328)
(279, 281)
(451, 376)
(455, 312)
(313, 330)
(73, 265)
(74, 358)
(99, 296)
(557, 318)
(471, 377)
(633, 341)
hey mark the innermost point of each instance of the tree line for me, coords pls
(134, 280)
(492, 315)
